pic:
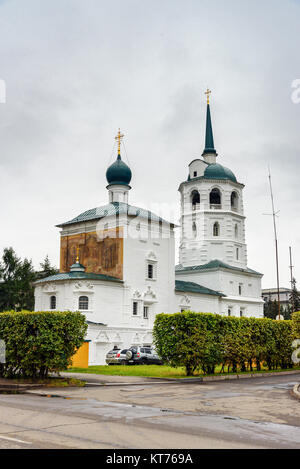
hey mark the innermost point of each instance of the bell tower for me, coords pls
(212, 212)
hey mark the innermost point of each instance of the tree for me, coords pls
(9, 268)
(25, 293)
(17, 279)
(295, 296)
(47, 269)
(271, 310)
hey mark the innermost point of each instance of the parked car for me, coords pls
(142, 356)
(116, 357)
(111, 356)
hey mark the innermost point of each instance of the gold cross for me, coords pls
(77, 258)
(119, 138)
(208, 92)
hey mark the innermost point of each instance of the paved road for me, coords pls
(256, 413)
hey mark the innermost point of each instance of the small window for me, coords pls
(234, 201)
(194, 230)
(83, 303)
(135, 308)
(195, 174)
(146, 312)
(236, 231)
(150, 271)
(241, 313)
(216, 229)
(53, 302)
(229, 312)
(240, 290)
(237, 254)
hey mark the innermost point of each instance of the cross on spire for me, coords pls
(207, 92)
(119, 139)
(77, 258)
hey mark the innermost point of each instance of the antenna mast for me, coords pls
(276, 243)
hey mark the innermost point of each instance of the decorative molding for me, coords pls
(102, 337)
(151, 256)
(82, 287)
(50, 288)
(136, 340)
(149, 295)
(137, 295)
(185, 301)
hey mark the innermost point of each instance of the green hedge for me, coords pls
(296, 325)
(40, 342)
(204, 341)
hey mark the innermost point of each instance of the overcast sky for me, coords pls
(78, 70)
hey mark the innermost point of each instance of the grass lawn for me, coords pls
(153, 371)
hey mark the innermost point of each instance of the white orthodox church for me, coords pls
(117, 261)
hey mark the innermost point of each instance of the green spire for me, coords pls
(209, 138)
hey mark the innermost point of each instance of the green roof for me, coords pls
(209, 138)
(215, 264)
(77, 276)
(192, 287)
(115, 208)
(217, 171)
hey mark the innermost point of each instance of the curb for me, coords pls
(210, 379)
(296, 391)
(18, 387)
(151, 380)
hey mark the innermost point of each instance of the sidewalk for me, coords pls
(108, 380)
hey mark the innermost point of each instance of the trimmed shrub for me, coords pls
(204, 341)
(296, 325)
(38, 343)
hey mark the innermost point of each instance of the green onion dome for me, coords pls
(217, 171)
(119, 173)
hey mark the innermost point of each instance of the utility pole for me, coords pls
(274, 214)
(292, 280)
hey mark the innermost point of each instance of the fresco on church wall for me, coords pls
(99, 254)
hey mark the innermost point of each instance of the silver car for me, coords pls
(142, 356)
(116, 357)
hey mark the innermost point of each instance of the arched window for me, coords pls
(234, 201)
(236, 230)
(216, 229)
(215, 199)
(52, 302)
(83, 303)
(194, 230)
(195, 198)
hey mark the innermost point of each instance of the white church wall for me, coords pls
(197, 303)
(158, 249)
